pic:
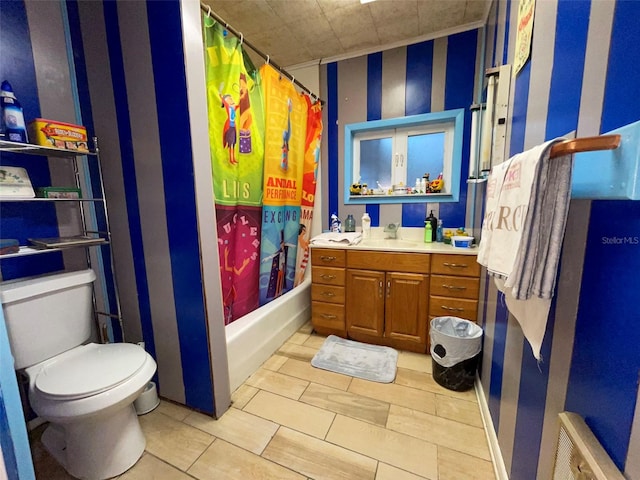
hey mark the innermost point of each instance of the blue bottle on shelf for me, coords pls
(12, 126)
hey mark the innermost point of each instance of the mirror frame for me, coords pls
(453, 117)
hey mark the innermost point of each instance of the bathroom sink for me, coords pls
(388, 243)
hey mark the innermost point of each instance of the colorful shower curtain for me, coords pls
(309, 178)
(265, 143)
(285, 132)
(236, 126)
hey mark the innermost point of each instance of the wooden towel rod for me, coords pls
(586, 144)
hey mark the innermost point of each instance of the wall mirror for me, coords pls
(385, 158)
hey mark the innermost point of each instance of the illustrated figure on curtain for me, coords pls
(286, 135)
(278, 276)
(229, 129)
(303, 248)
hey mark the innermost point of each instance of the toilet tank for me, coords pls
(47, 315)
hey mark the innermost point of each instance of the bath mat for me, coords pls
(370, 362)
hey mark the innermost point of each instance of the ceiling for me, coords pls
(294, 32)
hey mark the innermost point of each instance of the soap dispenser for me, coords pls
(428, 232)
(434, 225)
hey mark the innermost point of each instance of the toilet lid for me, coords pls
(90, 369)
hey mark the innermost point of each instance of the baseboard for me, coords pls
(492, 438)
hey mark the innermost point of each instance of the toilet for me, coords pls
(84, 390)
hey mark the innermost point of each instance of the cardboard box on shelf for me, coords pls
(49, 133)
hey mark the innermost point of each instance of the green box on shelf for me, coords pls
(59, 192)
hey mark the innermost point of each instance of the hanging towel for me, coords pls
(525, 217)
(335, 238)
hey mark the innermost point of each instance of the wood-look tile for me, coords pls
(277, 383)
(173, 410)
(318, 459)
(296, 415)
(298, 338)
(306, 328)
(150, 467)
(397, 394)
(225, 461)
(299, 352)
(441, 431)
(237, 427)
(274, 362)
(425, 381)
(397, 449)
(242, 395)
(173, 441)
(454, 465)
(346, 403)
(420, 362)
(305, 371)
(387, 472)
(315, 341)
(459, 410)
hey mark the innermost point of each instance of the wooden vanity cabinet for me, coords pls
(328, 291)
(387, 298)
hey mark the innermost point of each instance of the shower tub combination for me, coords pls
(252, 339)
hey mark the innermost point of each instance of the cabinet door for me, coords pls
(365, 302)
(407, 297)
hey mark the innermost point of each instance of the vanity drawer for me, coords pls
(453, 307)
(328, 316)
(459, 287)
(327, 293)
(464, 265)
(328, 275)
(328, 257)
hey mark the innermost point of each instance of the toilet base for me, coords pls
(99, 447)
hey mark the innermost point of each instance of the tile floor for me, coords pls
(292, 421)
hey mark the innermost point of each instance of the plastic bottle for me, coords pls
(366, 225)
(440, 232)
(335, 225)
(428, 232)
(434, 225)
(350, 224)
(13, 127)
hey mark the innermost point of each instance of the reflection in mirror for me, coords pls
(391, 157)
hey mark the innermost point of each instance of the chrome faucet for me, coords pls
(392, 230)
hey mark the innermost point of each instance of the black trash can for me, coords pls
(455, 352)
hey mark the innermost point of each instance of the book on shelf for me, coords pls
(60, 242)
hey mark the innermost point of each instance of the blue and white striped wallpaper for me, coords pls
(583, 78)
(430, 76)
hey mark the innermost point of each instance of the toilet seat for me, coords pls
(89, 370)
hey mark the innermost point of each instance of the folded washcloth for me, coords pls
(525, 217)
(333, 238)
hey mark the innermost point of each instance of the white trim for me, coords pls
(492, 439)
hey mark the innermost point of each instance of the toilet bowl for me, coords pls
(87, 394)
(84, 390)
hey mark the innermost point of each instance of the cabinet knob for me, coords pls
(328, 294)
(327, 277)
(326, 258)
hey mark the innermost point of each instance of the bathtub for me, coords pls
(252, 339)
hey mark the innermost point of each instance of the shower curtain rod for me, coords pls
(211, 13)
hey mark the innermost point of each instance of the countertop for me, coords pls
(410, 240)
